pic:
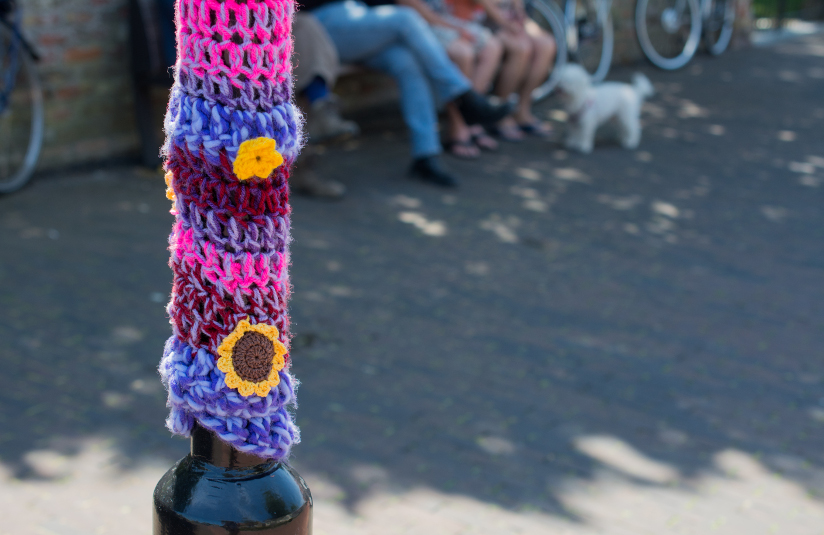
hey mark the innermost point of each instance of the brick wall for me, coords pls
(85, 73)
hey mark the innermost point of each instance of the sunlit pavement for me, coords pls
(623, 343)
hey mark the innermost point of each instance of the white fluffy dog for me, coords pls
(589, 106)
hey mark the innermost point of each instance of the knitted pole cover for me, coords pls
(232, 134)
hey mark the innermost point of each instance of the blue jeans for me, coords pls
(395, 39)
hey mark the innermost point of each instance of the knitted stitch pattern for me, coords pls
(232, 133)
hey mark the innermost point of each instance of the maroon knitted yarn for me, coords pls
(213, 187)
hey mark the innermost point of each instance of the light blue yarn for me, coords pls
(197, 124)
(197, 391)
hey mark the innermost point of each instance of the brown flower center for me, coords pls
(252, 357)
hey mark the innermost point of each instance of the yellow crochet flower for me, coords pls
(257, 158)
(251, 357)
(170, 193)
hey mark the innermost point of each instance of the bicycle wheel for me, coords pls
(668, 31)
(592, 23)
(21, 114)
(546, 16)
(719, 19)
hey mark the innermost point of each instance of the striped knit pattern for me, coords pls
(230, 241)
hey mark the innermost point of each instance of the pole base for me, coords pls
(198, 496)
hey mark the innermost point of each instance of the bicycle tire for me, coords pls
(25, 110)
(719, 17)
(595, 37)
(546, 16)
(667, 24)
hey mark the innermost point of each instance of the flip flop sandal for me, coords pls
(507, 134)
(450, 147)
(485, 142)
(536, 129)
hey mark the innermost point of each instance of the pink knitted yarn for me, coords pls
(242, 41)
(230, 272)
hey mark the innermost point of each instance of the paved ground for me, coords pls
(624, 343)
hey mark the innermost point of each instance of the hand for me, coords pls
(516, 27)
(466, 35)
(518, 10)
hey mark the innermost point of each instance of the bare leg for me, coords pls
(489, 59)
(543, 46)
(518, 49)
(481, 74)
(462, 55)
(458, 133)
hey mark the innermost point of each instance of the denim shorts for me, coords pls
(447, 36)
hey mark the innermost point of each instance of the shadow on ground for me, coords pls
(636, 312)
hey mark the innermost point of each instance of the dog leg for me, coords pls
(629, 119)
(573, 139)
(630, 132)
(587, 138)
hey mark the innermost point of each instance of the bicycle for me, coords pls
(583, 33)
(669, 31)
(21, 102)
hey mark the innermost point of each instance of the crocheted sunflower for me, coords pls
(251, 358)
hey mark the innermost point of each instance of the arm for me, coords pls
(499, 17)
(429, 14)
(520, 11)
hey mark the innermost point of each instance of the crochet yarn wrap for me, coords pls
(232, 134)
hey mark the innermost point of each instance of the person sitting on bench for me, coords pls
(478, 53)
(397, 40)
(316, 68)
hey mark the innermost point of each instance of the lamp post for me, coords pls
(232, 136)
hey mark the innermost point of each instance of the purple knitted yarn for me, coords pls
(262, 234)
(197, 390)
(246, 97)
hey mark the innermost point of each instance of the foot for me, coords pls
(463, 148)
(428, 169)
(306, 182)
(536, 128)
(483, 140)
(477, 109)
(508, 130)
(324, 122)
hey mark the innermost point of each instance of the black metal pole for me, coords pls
(218, 490)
